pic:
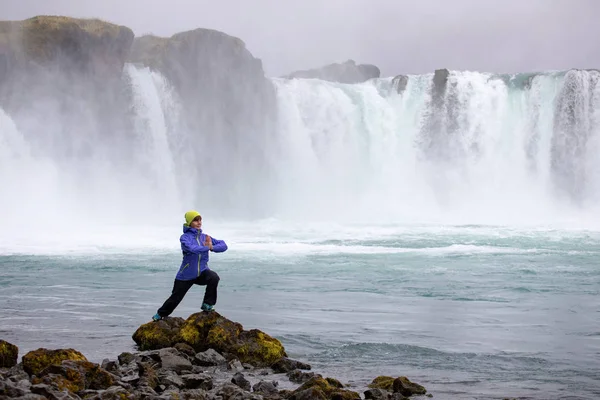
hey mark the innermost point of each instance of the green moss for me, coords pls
(259, 349)
(189, 334)
(383, 382)
(9, 353)
(152, 335)
(73, 384)
(95, 377)
(404, 386)
(329, 387)
(217, 337)
(334, 382)
(37, 360)
(209, 330)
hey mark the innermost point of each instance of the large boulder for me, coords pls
(36, 361)
(9, 354)
(346, 72)
(203, 331)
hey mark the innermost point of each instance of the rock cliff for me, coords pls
(347, 72)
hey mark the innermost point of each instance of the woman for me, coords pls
(195, 246)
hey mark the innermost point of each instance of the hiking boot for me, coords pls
(157, 317)
(207, 307)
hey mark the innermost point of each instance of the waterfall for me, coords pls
(453, 147)
(156, 113)
(466, 147)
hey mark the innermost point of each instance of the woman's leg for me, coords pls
(180, 288)
(211, 280)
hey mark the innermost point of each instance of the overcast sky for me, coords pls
(398, 36)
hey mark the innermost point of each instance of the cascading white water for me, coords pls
(156, 116)
(484, 155)
(489, 149)
(94, 196)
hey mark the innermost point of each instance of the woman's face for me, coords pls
(196, 223)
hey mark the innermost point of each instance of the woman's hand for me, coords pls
(208, 242)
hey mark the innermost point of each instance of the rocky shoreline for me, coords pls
(206, 356)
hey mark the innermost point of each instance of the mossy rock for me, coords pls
(209, 330)
(76, 376)
(61, 383)
(405, 387)
(157, 335)
(37, 360)
(401, 385)
(205, 331)
(258, 348)
(329, 387)
(9, 353)
(383, 382)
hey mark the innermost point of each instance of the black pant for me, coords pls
(180, 288)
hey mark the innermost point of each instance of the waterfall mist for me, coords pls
(476, 148)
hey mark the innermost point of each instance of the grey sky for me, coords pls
(398, 36)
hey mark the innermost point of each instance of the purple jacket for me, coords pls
(195, 253)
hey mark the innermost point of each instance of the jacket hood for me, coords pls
(193, 230)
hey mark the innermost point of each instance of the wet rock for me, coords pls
(383, 382)
(9, 354)
(110, 366)
(312, 393)
(400, 82)
(37, 360)
(52, 393)
(329, 388)
(130, 373)
(197, 381)
(112, 393)
(376, 394)
(241, 381)
(196, 394)
(148, 375)
(235, 365)
(172, 361)
(170, 378)
(209, 357)
(298, 376)
(285, 364)
(230, 391)
(125, 358)
(11, 389)
(266, 388)
(143, 392)
(404, 386)
(186, 349)
(76, 376)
